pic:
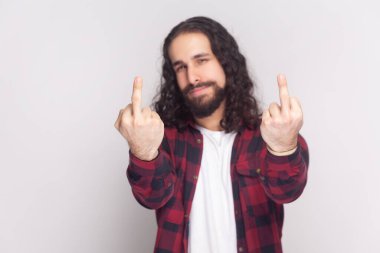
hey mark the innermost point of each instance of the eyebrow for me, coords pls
(197, 56)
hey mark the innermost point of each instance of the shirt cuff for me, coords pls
(144, 167)
(284, 158)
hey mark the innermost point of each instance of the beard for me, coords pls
(202, 106)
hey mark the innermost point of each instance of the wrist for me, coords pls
(282, 153)
(145, 156)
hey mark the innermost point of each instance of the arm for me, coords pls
(285, 154)
(150, 171)
(284, 177)
(152, 181)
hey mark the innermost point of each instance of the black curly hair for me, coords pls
(241, 105)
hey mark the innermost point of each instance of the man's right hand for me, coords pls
(142, 128)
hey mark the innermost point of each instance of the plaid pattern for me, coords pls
(261, 183)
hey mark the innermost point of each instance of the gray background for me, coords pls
(66, 68)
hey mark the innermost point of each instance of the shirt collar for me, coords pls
(191, 123)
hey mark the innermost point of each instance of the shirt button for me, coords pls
(241, 249)
(199, 140)
(195, 177)
(258, 170)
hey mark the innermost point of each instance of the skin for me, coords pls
(142, 128)
(194, 62)
(282, 122)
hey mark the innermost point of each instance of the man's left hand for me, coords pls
(281, 123)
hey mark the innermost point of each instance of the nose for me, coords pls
(193, 75)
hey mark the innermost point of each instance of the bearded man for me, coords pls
(215, 168)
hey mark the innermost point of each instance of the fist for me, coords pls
(282, 122)
(142, 128)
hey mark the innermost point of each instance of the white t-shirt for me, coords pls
(212, 227)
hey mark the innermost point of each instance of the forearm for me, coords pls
(284, 177)
(153, 181)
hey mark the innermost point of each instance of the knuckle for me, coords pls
(267, 122)
(273, 106)
(125, 117)
(278, 122)
(127, 123)
(128, 108)
(146, 111)
(286, 119)
(296, 115)
(137, 123)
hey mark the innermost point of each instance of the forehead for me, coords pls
(187, 45)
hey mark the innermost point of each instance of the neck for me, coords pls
(212, 122)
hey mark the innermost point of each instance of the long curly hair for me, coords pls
(241, 105)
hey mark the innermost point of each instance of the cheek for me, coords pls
(181, 80)
(221, 76)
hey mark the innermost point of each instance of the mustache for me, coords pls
(191, 87)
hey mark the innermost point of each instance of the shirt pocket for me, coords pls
(248, 169)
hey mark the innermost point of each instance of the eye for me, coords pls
(180, 68)
(202, 60)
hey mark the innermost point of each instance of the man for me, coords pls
(216, 171)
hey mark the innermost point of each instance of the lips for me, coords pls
(198, 91)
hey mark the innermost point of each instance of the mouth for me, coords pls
(198, 91)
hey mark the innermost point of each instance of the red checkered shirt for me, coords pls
(261, 183)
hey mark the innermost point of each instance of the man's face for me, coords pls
(199, 74)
